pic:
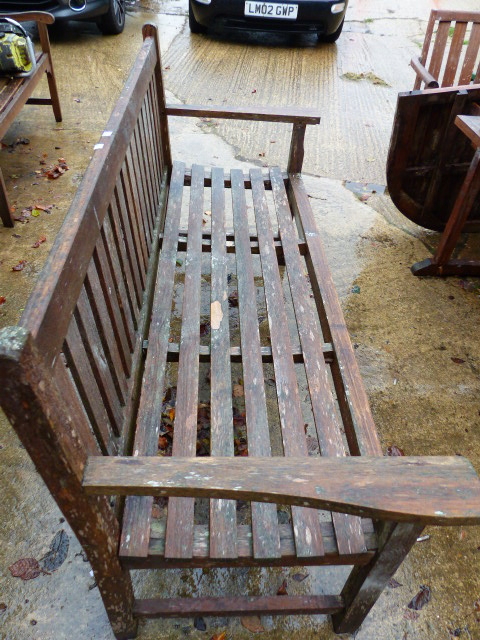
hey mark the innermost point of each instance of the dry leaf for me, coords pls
(458, 360)
(2, 300)
(393, 450)
(253, 624)
(421, 599)
(26, 569)
(40, 241)
(300, 577)
(219, 636)
(19, 266)
(282, 589)
(410, 615)
(238, 391)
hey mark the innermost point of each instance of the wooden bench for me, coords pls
(16, 92)
(94, 411)
(450, 52)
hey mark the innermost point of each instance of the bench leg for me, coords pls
(5, 213)
(366, 583)
(52, 84)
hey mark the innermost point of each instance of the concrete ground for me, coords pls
(416, 339)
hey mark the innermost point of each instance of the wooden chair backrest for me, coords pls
(451, 49)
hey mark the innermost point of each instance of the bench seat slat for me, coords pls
(288, 554)
(179, 537)
(137, 515)
(348, 529)
(266, 541)
(223, 514)
(308, 537)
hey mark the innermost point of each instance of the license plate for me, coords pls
(271, 10)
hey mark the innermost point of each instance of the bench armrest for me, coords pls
(427, 490)
(267, 114)
(30, 16)
(423, 74)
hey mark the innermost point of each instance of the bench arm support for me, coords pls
(426, 490)
(297, 116)
(423, 75)
(30, 16)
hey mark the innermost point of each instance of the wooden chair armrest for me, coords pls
(30, 16)
(427, 490)
(267, 114)
(426, 77)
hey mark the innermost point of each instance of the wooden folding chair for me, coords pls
(451, 50)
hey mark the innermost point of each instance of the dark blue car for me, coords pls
(323, 17)
(109, 14)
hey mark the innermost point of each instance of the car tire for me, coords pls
(195, 27)
(113, 22)
(332, 37)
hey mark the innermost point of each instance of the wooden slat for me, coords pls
(348, 530)
(112, 265)
(136, 522)
(471, 55)
(351, 395)
(237, 606)
(288, 557)
(98, 362)
(439, 490)
(138, 151)
(268, 114)
(441, 38)
(179, 536)
(112, 334)
(236, 353)
(266, 541)
(308, 537)
(223, 516)
(144, 144)
(152, 137)
(81, 371)
(454, 54)
(139, 226)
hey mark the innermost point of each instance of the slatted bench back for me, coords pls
(451, 49)
(85, 314)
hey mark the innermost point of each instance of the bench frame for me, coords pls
(18, 92)
(79, 348)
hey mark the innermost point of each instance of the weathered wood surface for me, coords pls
(237, 606)
(429, 157)
(268, 114)
(202, 556)
(430, 490)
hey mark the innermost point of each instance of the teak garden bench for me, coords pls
(451, 50)
(16, 92)
(89, 405)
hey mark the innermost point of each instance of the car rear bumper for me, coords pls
(93, 8)
(313, 15)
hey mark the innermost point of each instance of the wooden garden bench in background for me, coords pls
(15, 92)
(451, 50)
(88, 403)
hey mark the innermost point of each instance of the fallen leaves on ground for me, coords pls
(199, 624)
(238, 391)
(2, 300)
(253, 624)
(282, 589)
(57, 554)
(394, 584)
(233, 299)
(300, 577)
(393, 451)
(40, 241)
(57, 170)
(458, 360)
(26, 569)
(20, 266)
(408, 614)
(219, 636)
(421, 599)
